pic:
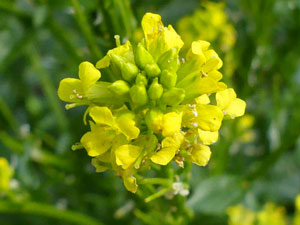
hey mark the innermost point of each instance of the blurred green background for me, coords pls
(256, 160)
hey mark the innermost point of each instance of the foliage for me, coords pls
(255, 161)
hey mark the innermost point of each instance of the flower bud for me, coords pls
(141, 78)
(168, 78)
(119, 87)
(116, 59)
(154, 120)
(129, 71)
(152, 70)
(169, 60)
(174, 96)
(138, 94)
(142, 56)
(155, 90)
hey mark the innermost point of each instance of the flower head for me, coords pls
(157, 106)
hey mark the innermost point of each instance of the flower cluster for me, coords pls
(156, 107)
(208, 23)
(269, 214)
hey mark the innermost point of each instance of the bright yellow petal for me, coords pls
(130, 183)
(126, 155)
(209, 117)
(236, 108)
(6, 173)
(70, 90)
(127, 126)
(172, 39)
(169, 147)
(203, 99)
(102, 115)
(97, 141)
(208, 137)
(88, 74)
(224, 98)
(152, 26)
(201, 155)
(171, 123)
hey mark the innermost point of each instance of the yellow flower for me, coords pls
(239, 215)
(6, 173)
(200, 155)
(75, 90)
(169, 147)
(230, 104)
(272, 214)
(158, 38)
(130, 183)
(126, 155)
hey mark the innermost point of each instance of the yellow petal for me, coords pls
(236, 108)
(203, 99)
(127, 126)
(201, 155)
(97, 141)
(130, 183)
(224, 98)
(126, 155)
(164, 156)
(169, 147)
(152, 26)
(102, 115)
(208, 137)
(70, 90)
(6, 173)
(209, 117)
(172, 39)
(171, 123)
(88, 74)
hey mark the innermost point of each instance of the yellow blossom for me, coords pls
(239, 215)
(200, 155)
(6, 173)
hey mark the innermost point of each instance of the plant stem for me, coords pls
(86, 31)
(41, 209)
(157, 194)
(48, 87)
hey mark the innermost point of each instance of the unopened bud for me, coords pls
(169, 60)
(155, 90)
(118, 60)
(141, 78)
(138, 94)
(129, 71)
(142, 56)
(168, 79)
(152, 70)
(120, 87)
(174, 96)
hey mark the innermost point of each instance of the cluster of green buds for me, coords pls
(156, 107)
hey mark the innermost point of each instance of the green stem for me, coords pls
(10, 142)
(86, 31)
(161, 181)
(41, 209)
(49, 89)
(157, 194)
(7, 114)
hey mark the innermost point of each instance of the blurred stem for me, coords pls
(157, 194)
(161, 181)
(7, 114)
(48, 87)
(11, 142)
(83, 24)
(41, 209)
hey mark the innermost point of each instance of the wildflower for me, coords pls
(6, 173)
(239, 215)
(156, 108)
(271, 214)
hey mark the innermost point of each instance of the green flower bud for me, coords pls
(138, 94)
(119, 87)
(173, 96)
(129, 71)
(168, 78)
(152, 70)
(155, 90)
(141, 78)
(118, 60)
(169, 60)
(154, 120)
(142, 56)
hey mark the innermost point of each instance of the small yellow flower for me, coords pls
(208, 137)
(230, 104)
(200, 155)
(6, 173)
(271, 214)
(171, 123)
(75, 90)
(239, 215)
(126, 155)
